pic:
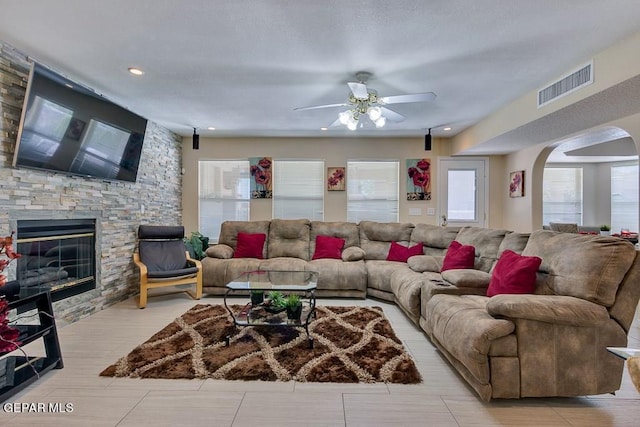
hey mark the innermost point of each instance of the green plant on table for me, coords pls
(276, 299)
(292, 301)
(257, 297)
(293, 304)
(605, 227)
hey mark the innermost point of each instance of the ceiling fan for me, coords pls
(364, 101)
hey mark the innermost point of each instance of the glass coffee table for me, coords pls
(260, 313)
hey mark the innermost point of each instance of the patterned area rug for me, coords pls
(351, 344)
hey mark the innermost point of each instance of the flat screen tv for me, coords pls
(68, 128)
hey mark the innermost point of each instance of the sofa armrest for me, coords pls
(423, 263)
(467, 278)
(353, 253)
(220, 250)
(557, 309)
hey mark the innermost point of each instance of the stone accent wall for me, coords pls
(118, 207)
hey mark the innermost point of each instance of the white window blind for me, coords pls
(223, 194)
(372, 191)
(624, 198)
(562, 195)
(298, 189)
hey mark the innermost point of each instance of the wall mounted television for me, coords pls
(68, 128)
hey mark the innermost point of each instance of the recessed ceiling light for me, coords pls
(447, 128)
(323, 128)
(211, 128)
(135, 71)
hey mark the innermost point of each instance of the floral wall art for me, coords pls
(516, 184)
(261, 177)
(336, 179)
(418, 179)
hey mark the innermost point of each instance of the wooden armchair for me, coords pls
(164, 261)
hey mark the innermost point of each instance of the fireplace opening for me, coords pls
(57, 254)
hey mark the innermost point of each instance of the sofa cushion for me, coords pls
(289, 238)
(379, 274)
(229, 232)
(328, 247)
(220, 251)
(398, 252)
(376, 237)
(334, 274)
(467, 278)
(514, 274)
(406, 286)
(344, 230)
(353, 253)
(458, 256)
(580, 265)
(249, 245)
(514, 241)
(486, 241)
(283, 264)
(558, 309)
(422, 263)
(436, 239)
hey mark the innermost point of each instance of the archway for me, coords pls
(593, 163)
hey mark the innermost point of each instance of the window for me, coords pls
(461, 190)
(372, 191)
(298, 189)
(624, 198)
(223, 194)
(562, 195)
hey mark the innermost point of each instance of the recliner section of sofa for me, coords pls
(550, 343)
(289, 245)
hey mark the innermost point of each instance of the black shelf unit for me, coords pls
(17, 371)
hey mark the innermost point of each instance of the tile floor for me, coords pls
(443, 399)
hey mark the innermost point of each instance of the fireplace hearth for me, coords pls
(57, 254)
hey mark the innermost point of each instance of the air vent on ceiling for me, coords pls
(567, 84)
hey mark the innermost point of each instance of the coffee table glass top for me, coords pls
(275, 280)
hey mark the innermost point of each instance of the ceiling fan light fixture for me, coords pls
(374, 113)
(344, 117)
(352, 124)
(380, 122)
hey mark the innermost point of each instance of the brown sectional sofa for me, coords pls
(290, 245)
(550, 343)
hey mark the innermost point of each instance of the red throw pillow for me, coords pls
(397, 252)
(459, 256)
(249, 245)
(514, 274)
(328, 247)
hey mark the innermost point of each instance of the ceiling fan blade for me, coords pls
(335, 123)
(359, 90)
(412, 97)
(392, 115)
(342, 104)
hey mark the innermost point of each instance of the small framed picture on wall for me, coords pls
(336, 178)
(516, 184)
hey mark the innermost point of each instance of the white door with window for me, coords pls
(462, 192)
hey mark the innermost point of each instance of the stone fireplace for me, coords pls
(57, 254)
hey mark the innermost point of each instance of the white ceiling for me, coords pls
(244, 65)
